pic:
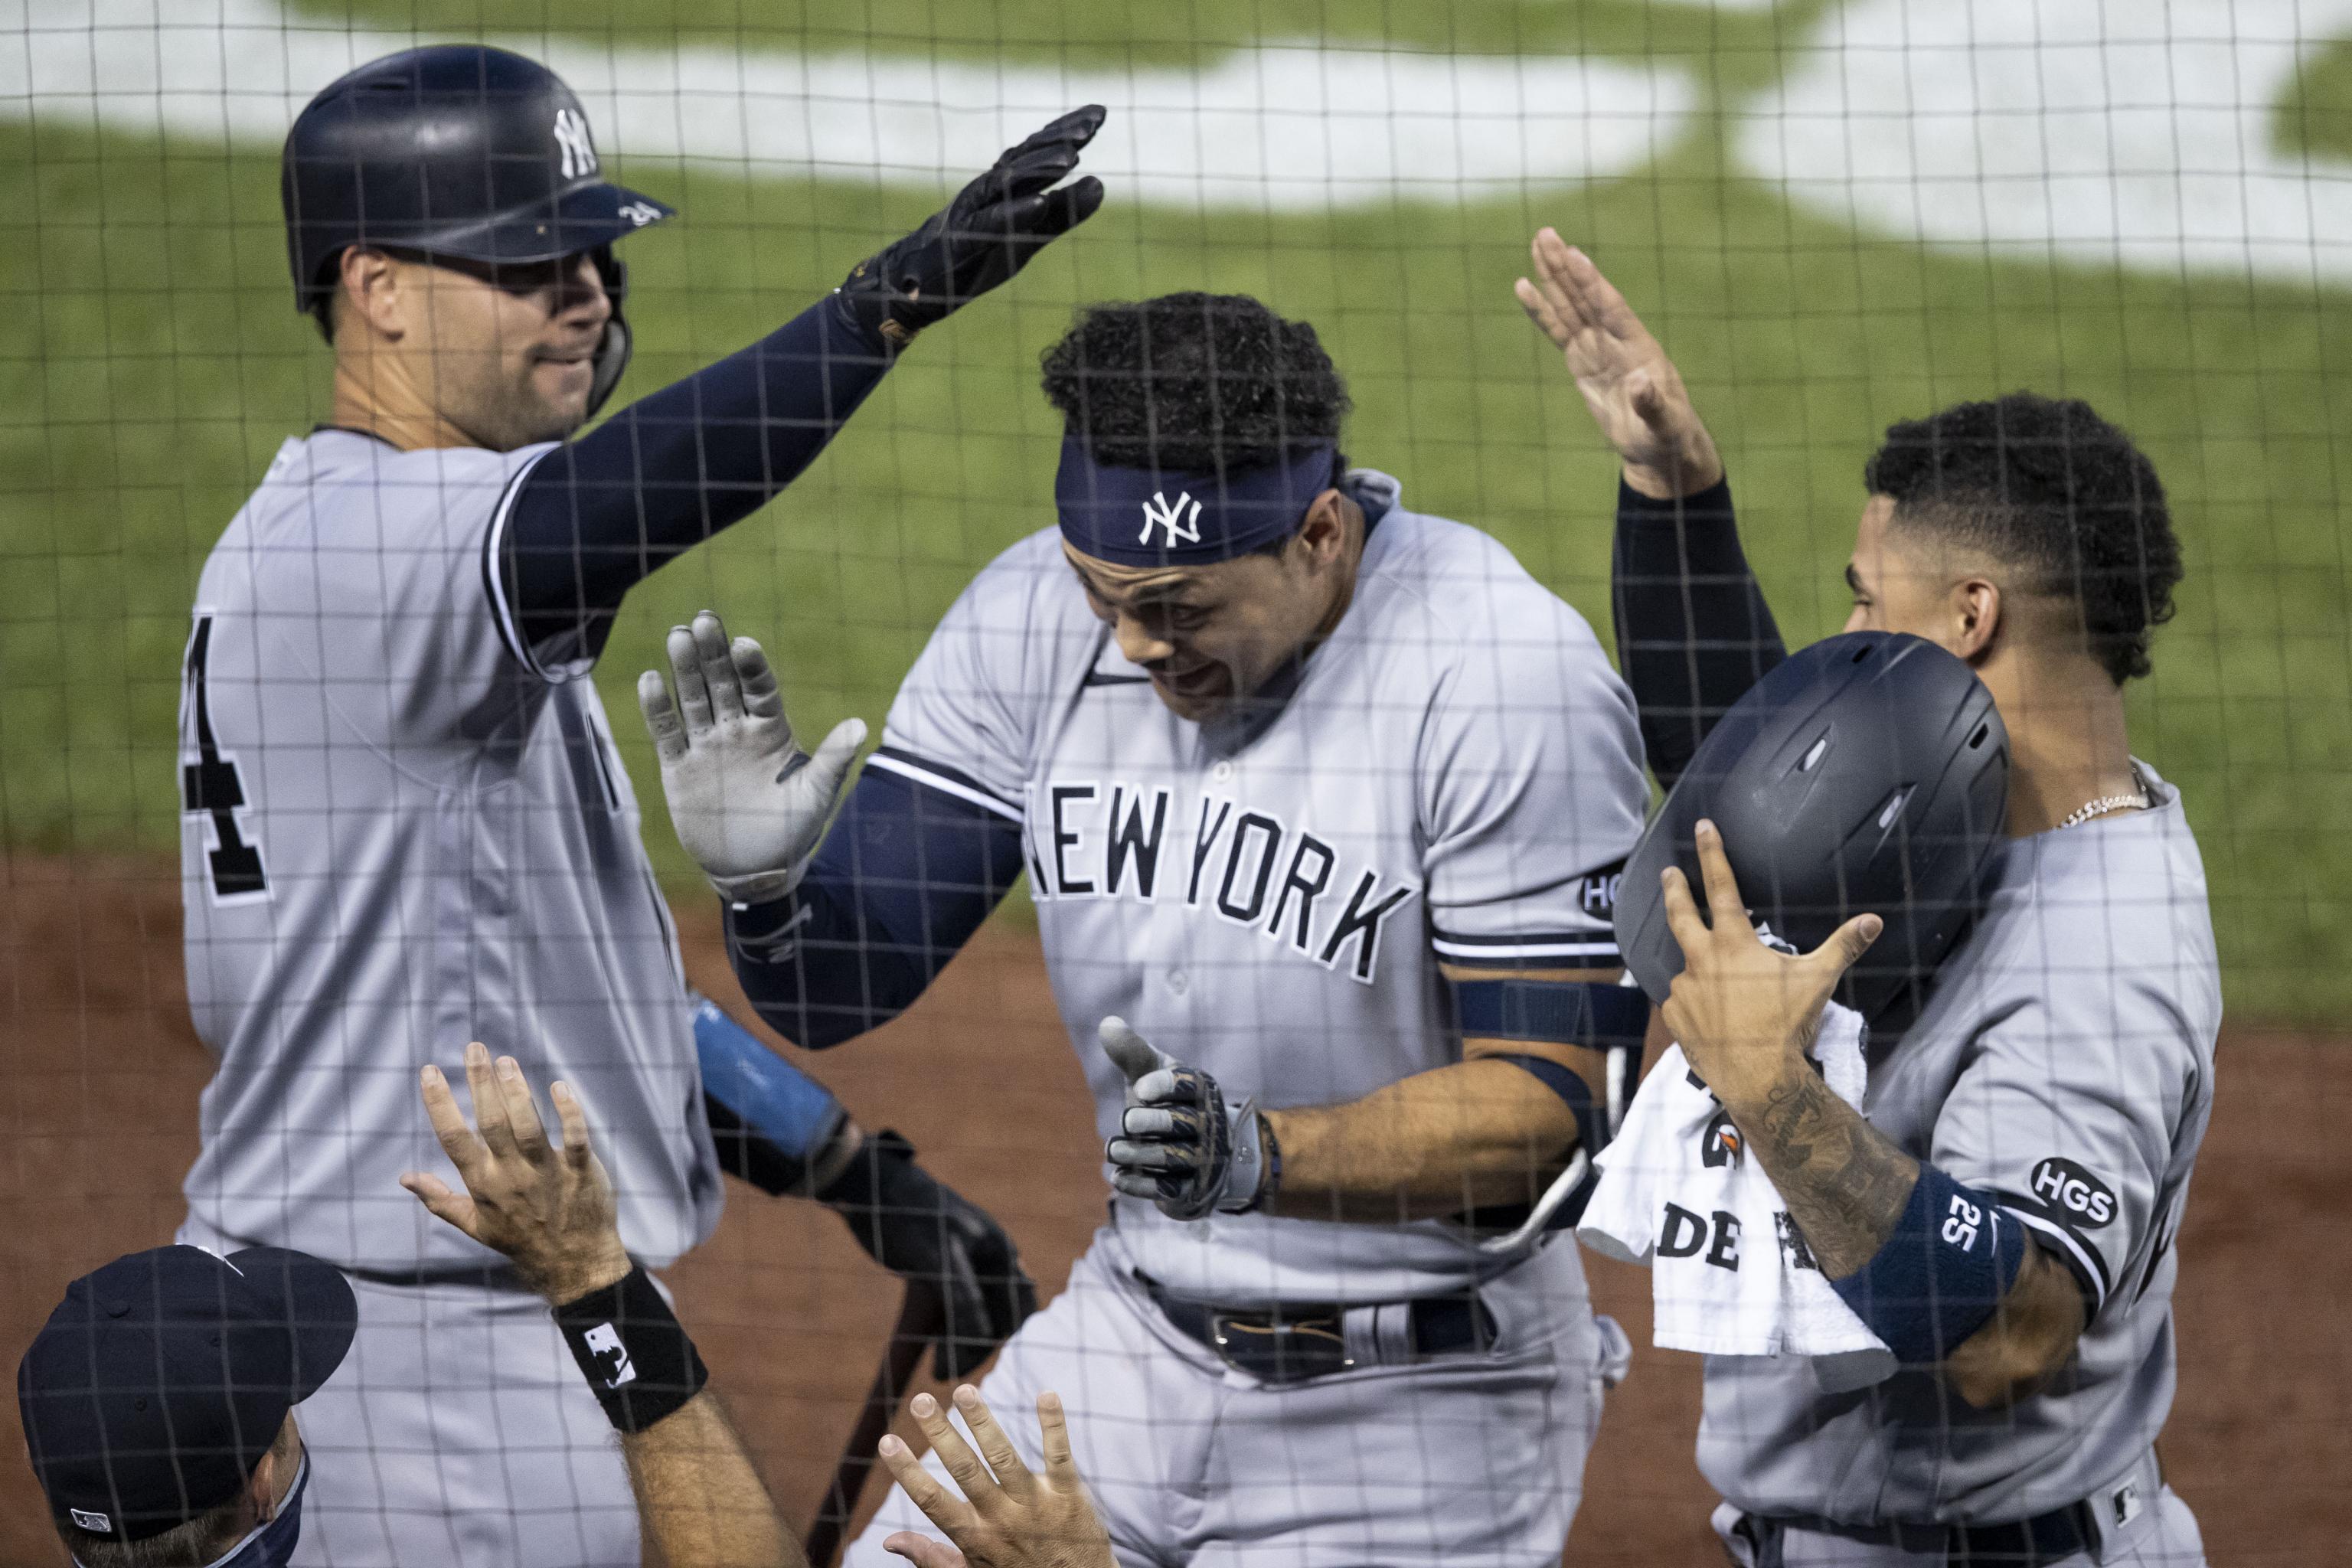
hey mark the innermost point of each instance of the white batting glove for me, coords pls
(749, 805)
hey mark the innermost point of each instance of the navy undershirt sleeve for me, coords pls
(597, 516)
(1694, 632)
(904, 879)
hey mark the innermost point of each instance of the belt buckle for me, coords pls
(1233, 1338)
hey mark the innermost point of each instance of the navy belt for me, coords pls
(1295, 1341)
(2028, 1544)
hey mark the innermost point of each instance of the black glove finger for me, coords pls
(1005, 1284)
(1045, 158)
(1058, 212)
(1073, 131)
(1028, 172)
(1017, 229)
(1008, 1296)
(965, 1339)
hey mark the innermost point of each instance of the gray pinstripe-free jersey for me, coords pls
(1456, 775)
(2064, 1063)
(401, 832)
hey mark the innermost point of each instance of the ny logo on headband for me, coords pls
(1180, 524)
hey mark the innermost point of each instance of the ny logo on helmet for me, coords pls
(1180, 522)
(572, 140)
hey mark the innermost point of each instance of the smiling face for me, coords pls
(1210, 635)
(504, 355)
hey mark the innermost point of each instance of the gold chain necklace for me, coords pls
(2104, 804)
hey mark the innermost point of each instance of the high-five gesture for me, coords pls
(1009, 1516)
(992, 229)
(1631, 388)
(1740, 1008)
(547, 1204)
(749, 805)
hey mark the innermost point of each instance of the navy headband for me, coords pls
(1142, 517)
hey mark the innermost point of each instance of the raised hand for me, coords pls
(1740, 1008)
(1631, 389)
(1009, 1516)
(991, 231)
(749, 805)
(547, 1205)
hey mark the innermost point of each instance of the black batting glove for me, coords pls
(919, 1229)
(980, 240)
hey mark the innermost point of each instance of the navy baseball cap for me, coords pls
(156, 1386)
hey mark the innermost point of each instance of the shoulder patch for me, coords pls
(2074, 1192)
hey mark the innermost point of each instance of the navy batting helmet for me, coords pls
(455, 150)
(1867, 773)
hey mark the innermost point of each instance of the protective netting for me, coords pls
(397, 743)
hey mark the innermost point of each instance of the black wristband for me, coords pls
(633, 1350)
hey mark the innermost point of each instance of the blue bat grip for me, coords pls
(774, 1100)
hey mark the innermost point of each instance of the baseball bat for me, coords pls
(922, 1318)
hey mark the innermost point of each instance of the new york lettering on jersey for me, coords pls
(1245, 864)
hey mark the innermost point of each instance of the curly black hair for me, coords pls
(1194, 384)
(2046, 485)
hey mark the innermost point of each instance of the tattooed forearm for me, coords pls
(1845, 1184)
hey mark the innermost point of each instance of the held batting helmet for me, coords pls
(1867, 773)
(457, 151)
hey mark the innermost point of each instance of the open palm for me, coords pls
(1631, 388)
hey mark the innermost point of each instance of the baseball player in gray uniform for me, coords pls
(2002, 1210)
(1322, 801)
(406, 827)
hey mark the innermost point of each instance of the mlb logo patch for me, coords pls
(92, 1520)
(612, 1356)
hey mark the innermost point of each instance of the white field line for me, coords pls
(1278, 127)
(2114, 133)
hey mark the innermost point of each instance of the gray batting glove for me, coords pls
(1178, 1144)
(749, 805)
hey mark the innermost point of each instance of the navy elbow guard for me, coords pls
(1942, 1273)
(771, 1123)
(1608, 1018)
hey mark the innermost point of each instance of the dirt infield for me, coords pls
(99, 1073)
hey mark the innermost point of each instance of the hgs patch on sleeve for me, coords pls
(2074, 1192)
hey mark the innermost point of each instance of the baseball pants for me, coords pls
(458, 1433)
(1476, 1459)
(2163, 1536)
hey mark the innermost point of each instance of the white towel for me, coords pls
(1729, 1274)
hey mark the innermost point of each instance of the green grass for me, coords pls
(1151, 33)
(152, 363)
(2316, 117)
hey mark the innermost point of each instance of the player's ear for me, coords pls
(1978, 615)
(1323, 535)
(273, 1471)
(369, 290)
